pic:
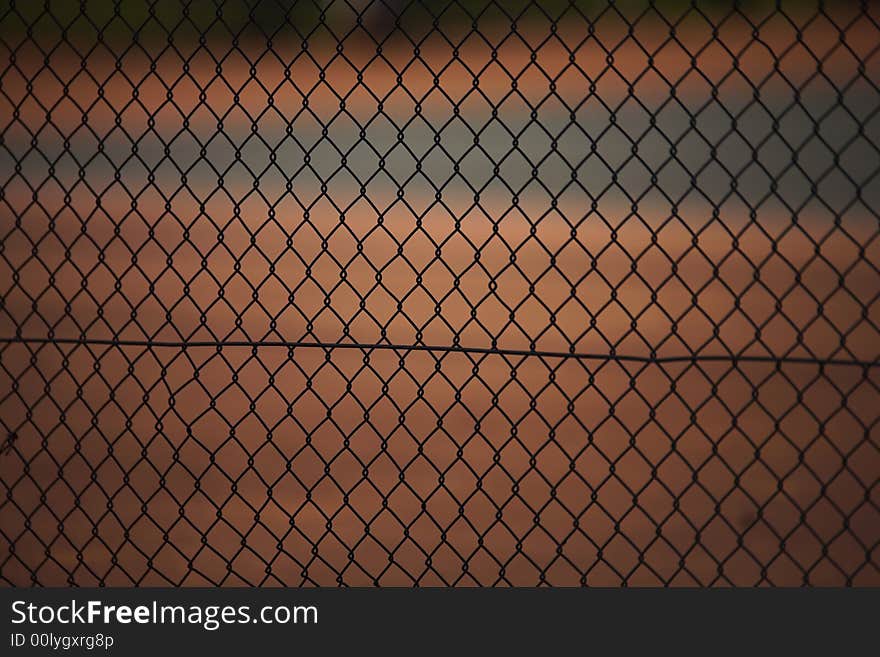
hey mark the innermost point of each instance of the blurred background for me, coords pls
(494, 223)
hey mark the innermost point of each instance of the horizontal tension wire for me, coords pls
(220, 344)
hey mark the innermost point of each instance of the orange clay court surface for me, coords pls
(358, 465)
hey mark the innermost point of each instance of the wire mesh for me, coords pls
(439, 293)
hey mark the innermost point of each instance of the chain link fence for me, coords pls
(439, 293)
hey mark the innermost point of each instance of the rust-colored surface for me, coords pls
(323, 466)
